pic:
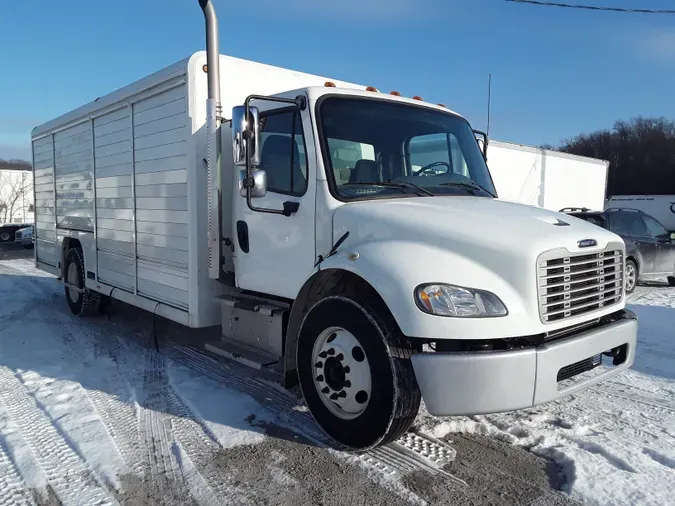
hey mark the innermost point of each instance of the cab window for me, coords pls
(283, 154)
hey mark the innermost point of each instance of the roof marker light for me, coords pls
(443, 105)
(417, 97)
(372, 88)
(395, 93)
(329, 84)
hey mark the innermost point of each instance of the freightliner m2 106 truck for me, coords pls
(302, 215)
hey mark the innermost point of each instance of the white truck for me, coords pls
(320, 250)
(546, 178)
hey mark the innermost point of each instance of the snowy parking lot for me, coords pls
(92, 413)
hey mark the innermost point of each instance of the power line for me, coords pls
(593, 7)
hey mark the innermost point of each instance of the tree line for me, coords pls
(641, 153)
(15, 165)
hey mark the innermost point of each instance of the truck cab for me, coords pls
(405, 275)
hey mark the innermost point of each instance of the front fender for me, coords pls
(395, 268)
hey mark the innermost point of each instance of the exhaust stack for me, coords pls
(213, 140)
(212, 50)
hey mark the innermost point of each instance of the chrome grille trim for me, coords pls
(576, 284)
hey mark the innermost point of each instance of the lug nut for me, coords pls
(348, 384)
(318, 365)
(340, 357)
(322, 354)
(342, 394)
(333, 397)
(331, 351)
(346, 369)
(325, 390)
(319, 377)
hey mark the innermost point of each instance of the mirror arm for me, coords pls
(301, 103)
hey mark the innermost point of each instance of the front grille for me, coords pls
(575, 285)
(582, 366)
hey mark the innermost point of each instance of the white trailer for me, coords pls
(326, 244)
(545, 178)
(661, 207)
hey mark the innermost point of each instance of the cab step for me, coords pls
(252, 330)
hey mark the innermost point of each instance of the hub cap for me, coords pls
(630, 277)
(341, 373)
(73, 279)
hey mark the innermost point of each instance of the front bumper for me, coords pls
(472, 383)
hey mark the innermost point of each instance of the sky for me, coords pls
(556, 72)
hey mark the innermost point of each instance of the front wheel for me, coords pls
(5, 236)
(631, 276)
(356, 374)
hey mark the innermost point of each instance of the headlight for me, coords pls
(449, 300)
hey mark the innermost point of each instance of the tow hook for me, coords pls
(619, 354)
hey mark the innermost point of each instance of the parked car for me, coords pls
(650, 249)
(24, 236)
(7, 231)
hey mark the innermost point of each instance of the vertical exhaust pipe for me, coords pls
(213, 140)
(212, 50)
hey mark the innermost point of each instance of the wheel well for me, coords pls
(68, 244)
(635, 260)
(323, 283)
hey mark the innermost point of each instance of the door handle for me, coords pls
(290, 207)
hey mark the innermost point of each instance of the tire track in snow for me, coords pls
(12, 485)
(171, 468)
(66, 472)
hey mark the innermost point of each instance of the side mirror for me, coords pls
(242, 129)
(259, 188)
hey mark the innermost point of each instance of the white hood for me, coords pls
(456, 223)
(475, 242)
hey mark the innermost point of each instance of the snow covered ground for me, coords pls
(614, 443)
(90, 413)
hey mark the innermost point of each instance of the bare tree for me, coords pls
(14, 191)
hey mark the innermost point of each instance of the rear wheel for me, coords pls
(5, 236)
(81, 300)
(355, 372)
(631, 276)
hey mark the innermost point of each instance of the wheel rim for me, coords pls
(342, 374)
(73, 279)
(4, 236)
(630, 277)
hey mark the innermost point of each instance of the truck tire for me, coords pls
(632, 275)
(355, 372)
(5, 236)
(84, 303)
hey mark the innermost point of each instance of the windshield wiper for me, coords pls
(471, 186)
(392, 184)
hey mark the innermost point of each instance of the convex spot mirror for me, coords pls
(259, 187)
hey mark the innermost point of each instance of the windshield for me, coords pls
(375, 148)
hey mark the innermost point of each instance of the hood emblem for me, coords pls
(587, 243)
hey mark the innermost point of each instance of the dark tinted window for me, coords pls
(283, 153)
(592, 218)
(628, 224)
(655, 228)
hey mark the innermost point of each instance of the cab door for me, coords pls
(274, 253)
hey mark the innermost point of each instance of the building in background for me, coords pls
(16, 196)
